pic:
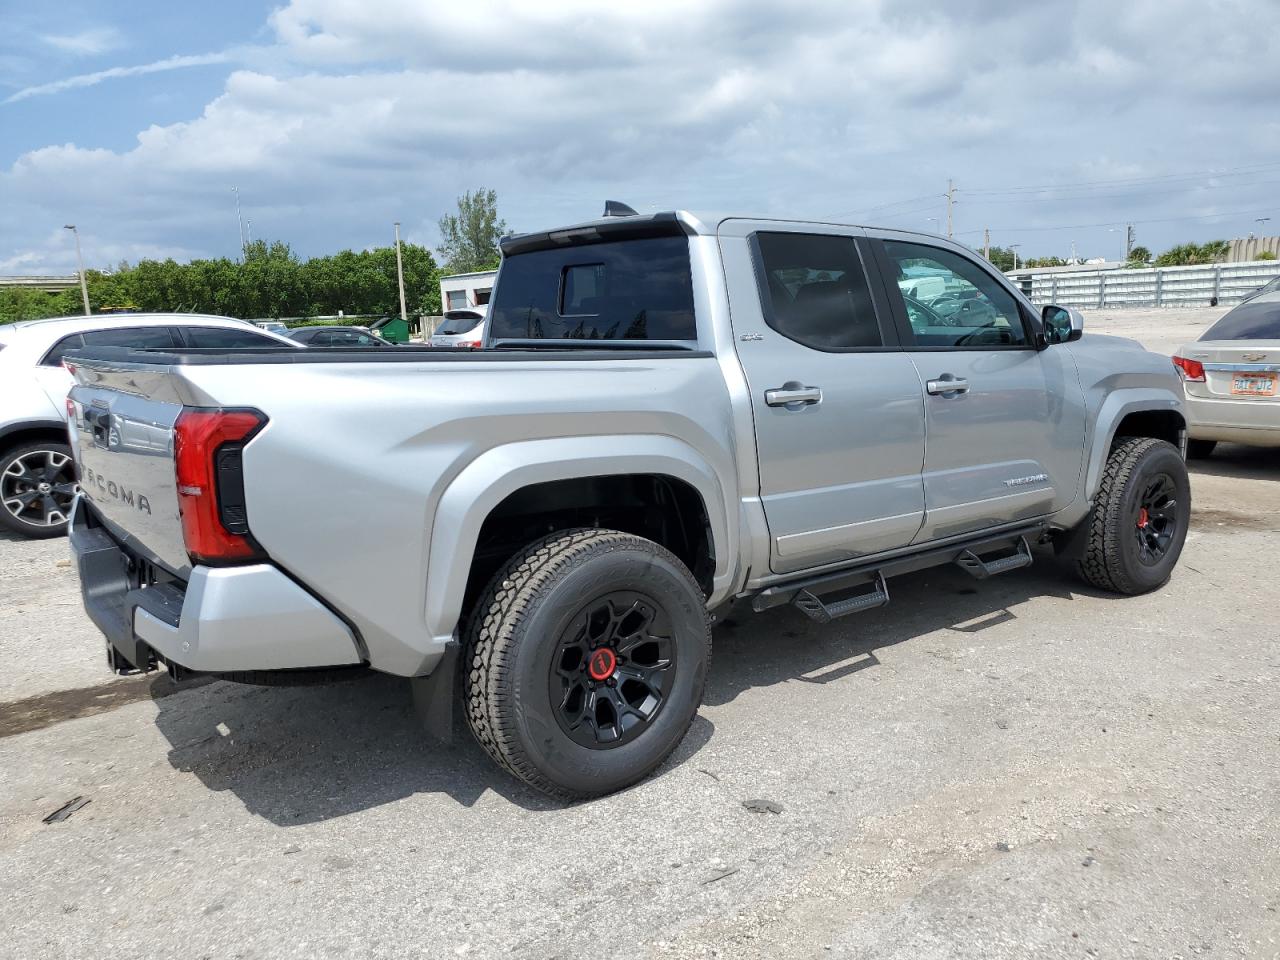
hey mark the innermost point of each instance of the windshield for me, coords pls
(1249, 321)
(638, 289)
(458, 323)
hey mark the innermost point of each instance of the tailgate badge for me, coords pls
(1255, 357)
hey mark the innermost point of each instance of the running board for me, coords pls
(980, 569)
(874, 571)
(813, 606)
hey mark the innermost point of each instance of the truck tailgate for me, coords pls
(122, 437)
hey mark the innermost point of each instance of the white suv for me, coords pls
(37, 477)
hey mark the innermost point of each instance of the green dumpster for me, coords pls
(392, 329)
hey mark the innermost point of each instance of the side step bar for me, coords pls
(980, 569)
(807, 593)
(813, 607)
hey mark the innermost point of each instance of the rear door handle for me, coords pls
(947, 385)
(793, 395)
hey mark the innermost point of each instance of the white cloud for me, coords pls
(363, 113)
(91, 42)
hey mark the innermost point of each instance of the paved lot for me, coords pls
(1011, 769)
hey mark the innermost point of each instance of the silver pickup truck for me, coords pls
(671, 413)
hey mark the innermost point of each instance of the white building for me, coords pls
(463, 290)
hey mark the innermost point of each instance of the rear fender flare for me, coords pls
(496, 474)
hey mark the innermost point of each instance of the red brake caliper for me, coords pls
(1143, 518)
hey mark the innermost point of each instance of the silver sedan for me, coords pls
(1231, 377)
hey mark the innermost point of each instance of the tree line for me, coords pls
(271, 281)
(1182, 254)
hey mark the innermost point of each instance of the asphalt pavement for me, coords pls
(1021, 767)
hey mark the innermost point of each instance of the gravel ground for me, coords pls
(1022, 767)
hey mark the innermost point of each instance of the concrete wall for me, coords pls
(1245, 250)
(1224, 283)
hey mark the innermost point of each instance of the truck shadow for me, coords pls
(309, 754)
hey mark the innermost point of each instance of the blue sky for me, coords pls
(1058, 121)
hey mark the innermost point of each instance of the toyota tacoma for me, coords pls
(670, 413)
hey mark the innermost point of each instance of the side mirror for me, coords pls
(1062, 324)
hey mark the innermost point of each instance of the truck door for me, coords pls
(837, 405)
(1004, 420)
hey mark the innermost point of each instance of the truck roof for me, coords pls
(695, 223)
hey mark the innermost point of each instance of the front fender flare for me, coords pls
(501, 471)
(1118, 405)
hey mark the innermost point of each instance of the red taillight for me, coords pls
(474, 344)
(1191, 370)
(71, 411)
(206, 453)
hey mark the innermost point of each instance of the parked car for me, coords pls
(337, 337)
(1271, 287)
(37, 480)
(662, 422)
(460, 328)
(1230, 377)
(271, 326)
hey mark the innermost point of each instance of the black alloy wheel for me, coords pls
(1157, 519)
(612, 669)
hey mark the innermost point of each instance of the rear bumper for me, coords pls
(222, 620)
(1234, 421)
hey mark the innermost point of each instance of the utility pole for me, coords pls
(404, 315)
(951, 198)
(1128, 241)
(248, 229)
(84, 287)
(239, 219)
(986, 242)
(1073, 252)
(1014, 247)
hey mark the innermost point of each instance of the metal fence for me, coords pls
(1156, 287)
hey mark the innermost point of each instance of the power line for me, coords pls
(1227, 172)
(1085, 186)
(1116, 223)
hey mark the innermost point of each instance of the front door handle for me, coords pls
(793, 395)
(947, 386)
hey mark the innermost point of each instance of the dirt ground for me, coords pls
(1022, 767)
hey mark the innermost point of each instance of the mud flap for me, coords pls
(434, 696)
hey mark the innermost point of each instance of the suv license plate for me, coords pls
(1253, 385)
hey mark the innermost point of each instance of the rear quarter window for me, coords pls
(638, 289)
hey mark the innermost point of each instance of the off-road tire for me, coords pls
(512, 637)
(1109, 554)
(1200, 449)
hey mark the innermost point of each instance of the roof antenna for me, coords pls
(613, 208)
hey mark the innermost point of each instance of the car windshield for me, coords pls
(458, 323)
(1249, 321)
(640, 289)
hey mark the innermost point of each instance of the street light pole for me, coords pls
(84, 287)
(404, 314)
(239, 219)
(1014, 247)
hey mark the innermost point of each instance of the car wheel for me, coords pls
(37, 486)
(585, 662)
(1139, 520)
(1200, 449)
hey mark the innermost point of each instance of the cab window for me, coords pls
(951, 301)
(815, 291)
